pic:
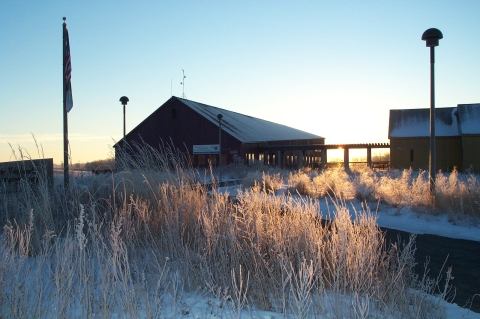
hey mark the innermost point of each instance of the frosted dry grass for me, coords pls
(269, 180)
(268, 236)
(148, 167)
(333, 182)
(82, 274)
(147, 244)
(409, 190)
(300, 183)
(457, 195)
(265, 252)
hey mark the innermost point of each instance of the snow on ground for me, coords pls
(406, 220)
(412, 222)
(200, 307)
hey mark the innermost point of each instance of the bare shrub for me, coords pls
(395, 191)
(366, 185)
(458, 196)
(335, 183)
(300, 183)
(269, 181)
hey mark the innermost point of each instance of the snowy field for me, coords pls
(122, 286)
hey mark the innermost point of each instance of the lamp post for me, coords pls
(124, 101)
(431, 36)
(219, 117)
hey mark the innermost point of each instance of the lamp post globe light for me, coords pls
(432, 37)
(124, 100)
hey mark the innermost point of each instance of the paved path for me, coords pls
(463, 257)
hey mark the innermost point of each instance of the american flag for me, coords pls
(68, 73)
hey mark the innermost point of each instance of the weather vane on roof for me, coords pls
(183, 84)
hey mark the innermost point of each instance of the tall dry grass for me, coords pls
(457, 195)
(153, 242)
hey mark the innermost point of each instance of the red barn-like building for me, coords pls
(195, 128)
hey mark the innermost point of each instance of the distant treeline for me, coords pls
(105, 164)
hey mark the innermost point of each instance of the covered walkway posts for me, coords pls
(300, 152)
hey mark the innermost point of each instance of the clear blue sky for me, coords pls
(332, 68)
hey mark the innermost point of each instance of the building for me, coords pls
(196, 128)
(457, 131)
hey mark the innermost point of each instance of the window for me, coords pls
(411, 155)
(174, 114)
(250, 158)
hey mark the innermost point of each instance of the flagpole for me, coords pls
(65, 115)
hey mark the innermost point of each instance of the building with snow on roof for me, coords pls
(457, 131)
(196, 129)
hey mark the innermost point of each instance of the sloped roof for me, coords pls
(469, 115)
(416, 123)
(449, 121)
(248, 129)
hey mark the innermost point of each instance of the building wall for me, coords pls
(401, 156)
(176, 123)
(414, 153)
(471, 152)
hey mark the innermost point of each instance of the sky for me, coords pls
(331, 68)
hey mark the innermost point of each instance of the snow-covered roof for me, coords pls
(248, 129)
(416, 123)
(449, 121)
(469, 115)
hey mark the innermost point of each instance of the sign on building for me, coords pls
(206, 149)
